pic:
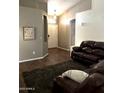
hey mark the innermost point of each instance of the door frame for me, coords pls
(70, 32)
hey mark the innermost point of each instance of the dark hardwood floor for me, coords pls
(55, 56)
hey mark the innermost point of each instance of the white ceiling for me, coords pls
(60, 6)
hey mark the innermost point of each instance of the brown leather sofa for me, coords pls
(94, 83)
(89, 52)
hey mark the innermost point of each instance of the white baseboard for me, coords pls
(33, 58)
(64, 48)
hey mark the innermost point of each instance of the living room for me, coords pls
(83, 57)
(49, 33)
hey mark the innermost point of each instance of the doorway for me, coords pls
(72, 32)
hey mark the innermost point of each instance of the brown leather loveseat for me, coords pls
(89, 52)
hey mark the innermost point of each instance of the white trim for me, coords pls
(34, 58)
(64, 48)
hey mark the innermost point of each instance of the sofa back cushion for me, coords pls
(92, 44)
(99, 45)
(99, 67)
(87, 49)
(87, 56)
(87, 44)
(97, 52)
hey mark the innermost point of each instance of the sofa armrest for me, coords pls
(65, 84)
(94, 81)
(77, 49)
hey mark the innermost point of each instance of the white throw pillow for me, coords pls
(76, 75)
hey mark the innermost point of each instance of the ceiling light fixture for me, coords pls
(54, 16)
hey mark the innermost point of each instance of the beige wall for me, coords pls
(90, 23)
(64, 19)
(31, 14)
(31, 17)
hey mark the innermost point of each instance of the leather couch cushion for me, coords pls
(98, 52)
(99, 45)
(87, 44)
(92, 44)
(87, 56)
(96, 68)
(87, 49)
(99, 67)
(77, 49)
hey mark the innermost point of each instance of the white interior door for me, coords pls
(52, 35)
